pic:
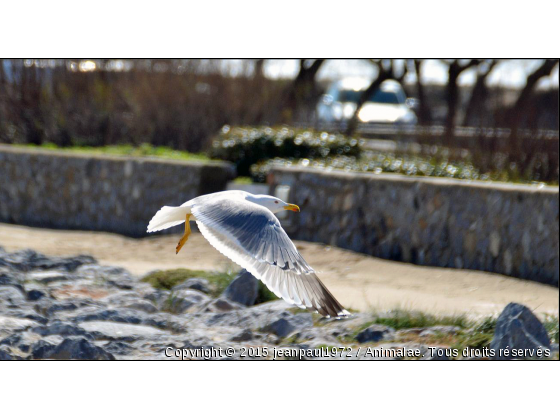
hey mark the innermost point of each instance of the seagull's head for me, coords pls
(274, 204)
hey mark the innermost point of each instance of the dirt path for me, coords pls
(358, 281)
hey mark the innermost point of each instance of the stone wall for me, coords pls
(94, 192)
(502, 228)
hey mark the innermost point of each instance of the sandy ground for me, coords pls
(360, 282)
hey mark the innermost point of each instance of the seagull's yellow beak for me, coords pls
(291, 207)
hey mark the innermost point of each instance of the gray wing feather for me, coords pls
(251, 236)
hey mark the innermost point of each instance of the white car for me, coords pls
(387, 105)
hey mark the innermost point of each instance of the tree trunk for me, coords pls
(478, 98)
(424, 113)
(452, 92)
(515, 115)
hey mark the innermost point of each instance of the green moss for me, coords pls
(551, 325)
(478, 336)
(400, 319)
(243, 180)
(167, 279)
(264, 294)
(219, 281)
(144, 150)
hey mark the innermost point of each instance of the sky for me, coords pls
(509, 73)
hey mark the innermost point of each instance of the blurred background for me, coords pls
(475, 119)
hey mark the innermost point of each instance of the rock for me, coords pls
(114, 276)
(26, 313)
(440, 330)
(50, 308)
(164, 321)
(24, 341)
(222, 305)
(158, 297)
(103, 330)
(35, 294)
(182, 300)
(10, 324)
(70, 349)
(245, 335)
(48, 277)
(202, 285)
(516, 329)
(439, 353)
(289, 324)
(375, 332)
(118, 347)
(8, 277)
(5, 355)
(29, 260)
(143, 305)
(60, 328)
(243, 289)
(11, 296)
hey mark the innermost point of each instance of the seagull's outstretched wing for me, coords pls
(251, 236)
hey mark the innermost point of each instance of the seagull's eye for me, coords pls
(276, 201)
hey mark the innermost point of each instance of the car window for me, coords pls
(377, 97)
(384, 97)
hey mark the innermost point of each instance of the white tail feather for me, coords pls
(168, 217)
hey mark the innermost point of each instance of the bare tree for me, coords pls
(452, 90)
(479, 93)
(303, 92)
(515, 114)
(386, 71)
(424, 113)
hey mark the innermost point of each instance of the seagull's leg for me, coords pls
(186, 235)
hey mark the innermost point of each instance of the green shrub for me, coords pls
(247, 146)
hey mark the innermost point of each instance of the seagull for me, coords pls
(243, 227)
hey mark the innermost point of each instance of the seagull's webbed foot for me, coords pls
(185, 237)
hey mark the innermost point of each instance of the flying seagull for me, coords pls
(243, 227)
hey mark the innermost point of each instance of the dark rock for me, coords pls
(245, 335)
(289, 324)
(518, 329)
(118, 347)
(243, 289)
(222, 305)
(158, 297)
(182, 300)
(202, 285)
(35, 294)
(144, 306)
(375, 333)
(49, 308)
(70, 349)
(8, 277)
(60, 328)
(25, 340)
(5, 355)
(41, 348)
